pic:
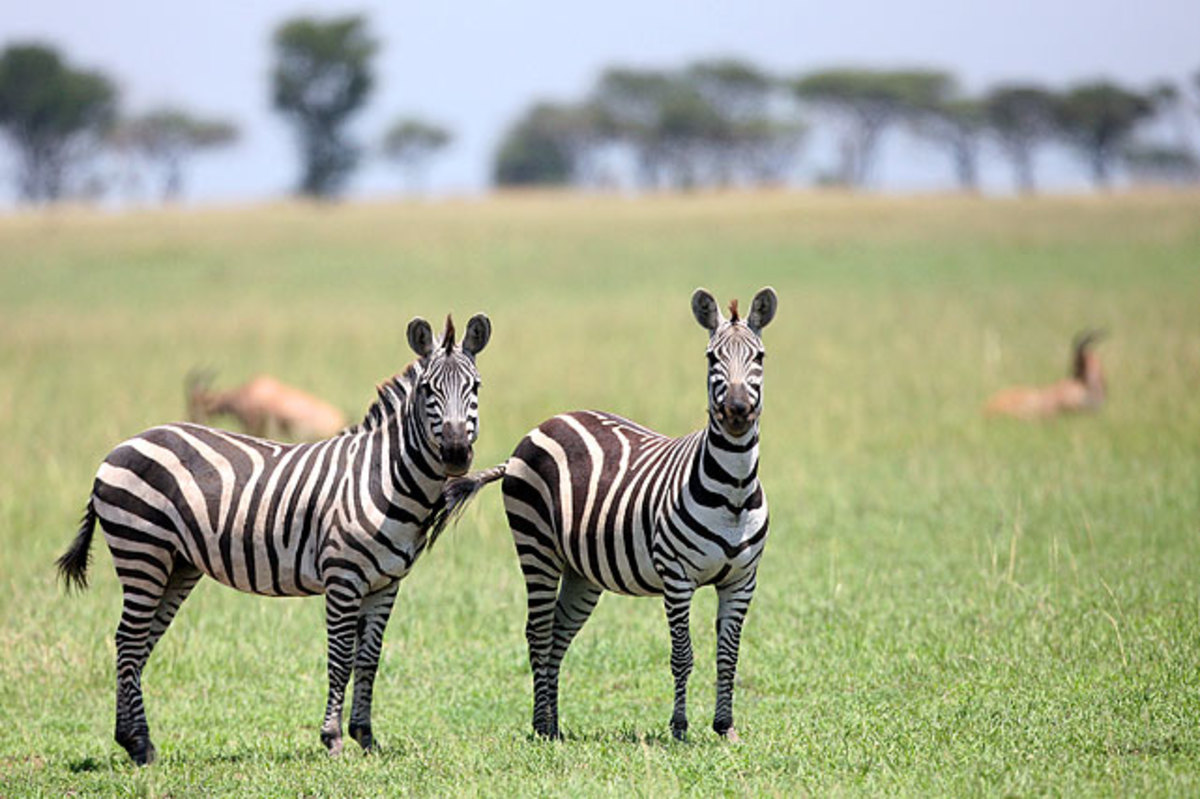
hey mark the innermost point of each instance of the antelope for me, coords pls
(264, 407)
(1084, 390)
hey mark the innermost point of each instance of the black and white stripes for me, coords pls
(596, 502)
(346, 517)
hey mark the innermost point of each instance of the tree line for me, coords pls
(718, 122)
(60, 120)
(727, 122)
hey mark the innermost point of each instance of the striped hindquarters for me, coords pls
(584, 489)
(242, 510)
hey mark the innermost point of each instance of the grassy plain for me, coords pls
(948, 605)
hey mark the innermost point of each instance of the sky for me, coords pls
(475, 67)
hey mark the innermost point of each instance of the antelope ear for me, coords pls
(762, 310)
(705, 309)
(420, 336)
(479, 331)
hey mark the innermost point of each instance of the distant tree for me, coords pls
(534, 151)
(52, 114)
(958, 124)
(867, 102)
(750, 142)
(1022, 117)
(628, 106)
(1159, 164)
(738, 90)
(410, 143)
(321, 78)
(1097, 120)
(167, 137)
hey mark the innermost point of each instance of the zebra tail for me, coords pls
(73, 565)
(457, 494)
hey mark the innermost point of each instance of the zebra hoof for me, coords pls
(332, 741)
(362, 734)
(140, 750)
(546, 732)
(679, 730)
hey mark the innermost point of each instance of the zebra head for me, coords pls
(735, 359)
(446, 396)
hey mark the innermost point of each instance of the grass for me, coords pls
(948, 605)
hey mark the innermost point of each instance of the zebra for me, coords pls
(598, 503)
(346, 517)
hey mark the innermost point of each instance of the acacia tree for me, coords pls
(628, 106)
(534, 151)
(1097, 119)
(867, 102)
(958, 124)
(1022, 117)
(52, 114)
(410, 143)
(322, 77)
(167, 137)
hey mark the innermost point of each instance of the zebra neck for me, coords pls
(730, 464)
(417, 470)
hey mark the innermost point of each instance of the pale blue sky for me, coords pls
(476, 66)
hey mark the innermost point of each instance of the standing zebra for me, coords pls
(597, 502)
(346, 517)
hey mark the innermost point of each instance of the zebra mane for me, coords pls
(399, 386)
(733, 310)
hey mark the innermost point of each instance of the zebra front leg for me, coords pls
(372, 621)
(341, 627)
(677, 600)
(733, 601)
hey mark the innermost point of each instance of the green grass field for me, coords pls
(948, 605)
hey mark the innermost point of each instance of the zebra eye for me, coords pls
(712, 358)
(758, 358)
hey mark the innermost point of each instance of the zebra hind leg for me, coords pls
(372, 621)
(541, 586)
(577, 598)
(144, 588)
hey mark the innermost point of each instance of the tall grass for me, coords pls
(947, 605)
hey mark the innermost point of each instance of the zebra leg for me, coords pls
(577, 598)
(733, 601)
(541, 587)
(183, 579)
(341, 627)
(677, 600)
(372, 621)
(143, 591)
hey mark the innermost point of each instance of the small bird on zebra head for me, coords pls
(346, 517)
(598, 503)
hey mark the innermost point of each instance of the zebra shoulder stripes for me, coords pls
(346, 517)
(597, 503)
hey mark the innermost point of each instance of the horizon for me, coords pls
(134, 44)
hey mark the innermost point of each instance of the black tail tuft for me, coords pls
(456, 494)
(73, 565)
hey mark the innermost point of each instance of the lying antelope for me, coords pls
(1083, 391)
(265, 408)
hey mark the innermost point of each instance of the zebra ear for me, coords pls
(479, 331)
(705, 309)
(420, 336)
(762, 310)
